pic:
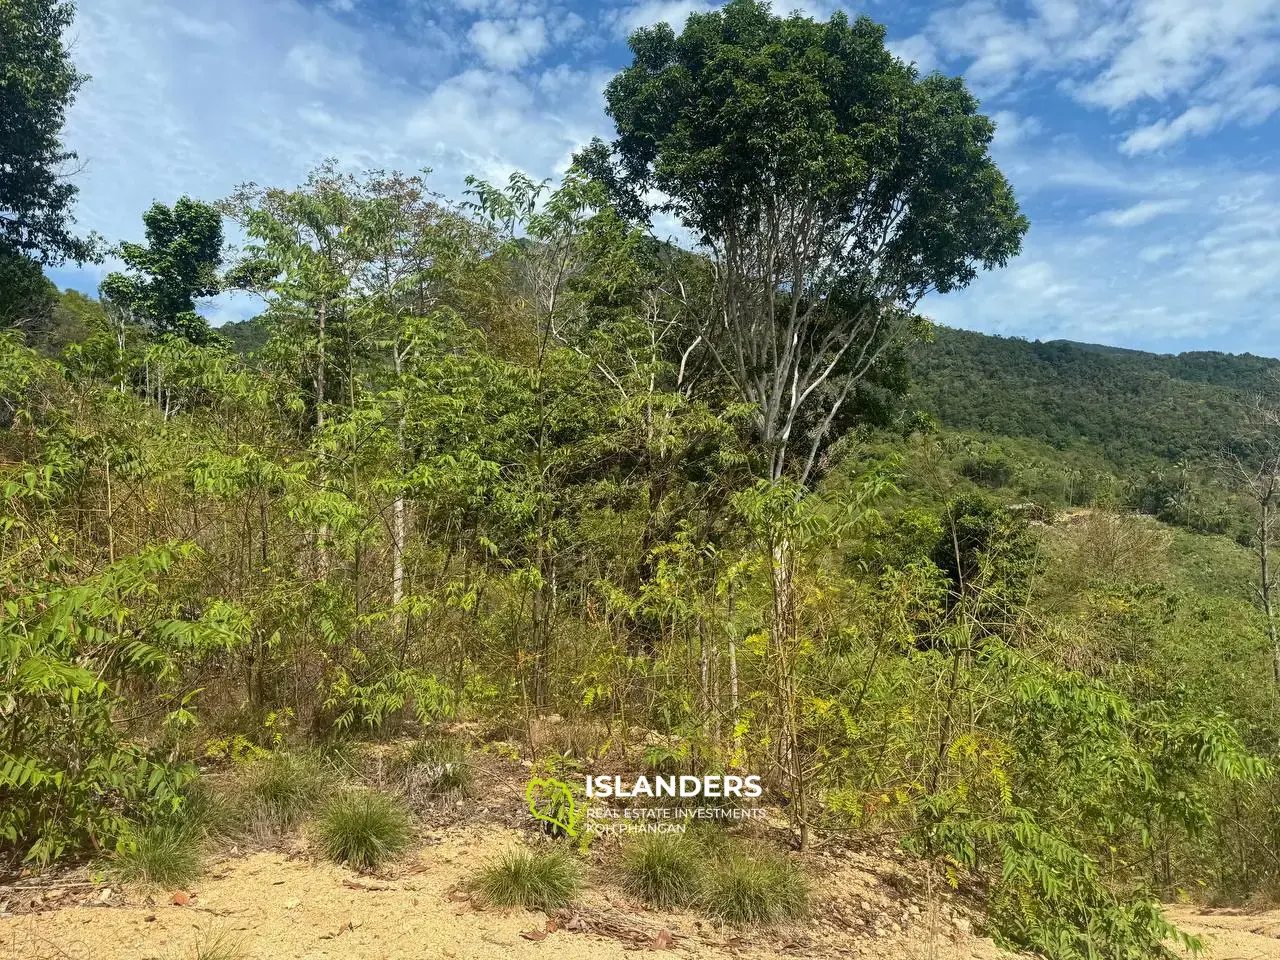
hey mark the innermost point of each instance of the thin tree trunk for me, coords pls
(322, 537)
(1264, 559)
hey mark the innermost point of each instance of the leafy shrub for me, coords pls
(755, 886)
(664, 869)
(162, 854)
(70, 778)
(364, 829)
(541, 880)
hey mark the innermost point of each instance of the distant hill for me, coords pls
(1138, 408)
(246, 336)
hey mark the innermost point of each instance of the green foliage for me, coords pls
(27, 297)
(38, 82)
(698, 119)
(833, 188)
(755, 886)
(535, 879)
(663, 869)
(69, 774)
(364, 829)
(178, 265)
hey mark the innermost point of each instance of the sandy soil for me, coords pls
(1232, 933)
(276, 905)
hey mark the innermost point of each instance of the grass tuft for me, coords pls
(364, 829)
(541, 880)
(755, 887)
(437, 768)
(663, 869)
(162, 854)
(280, 792)
(217, 946)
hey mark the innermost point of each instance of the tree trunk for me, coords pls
(1264, 585)
(322, 536)
(783, 631)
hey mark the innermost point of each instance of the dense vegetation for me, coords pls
(1135, 407)
(1153, 429)
(501, 459)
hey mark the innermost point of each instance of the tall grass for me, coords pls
(161, 854)
(541, 880)
(364, 829)
(279, 793)
(664, 869)
(755, 886)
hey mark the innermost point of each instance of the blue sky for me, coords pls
(1140, 135)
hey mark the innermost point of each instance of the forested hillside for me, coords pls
(1137, 408)
(498, 493)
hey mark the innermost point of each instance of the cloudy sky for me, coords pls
(1140, 135)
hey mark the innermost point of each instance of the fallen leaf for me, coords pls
(664, 940)
(534, 934)
(552, 926)
(181, 898)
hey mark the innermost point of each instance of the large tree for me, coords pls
(38, 82)
(832, 186)
(178, 265)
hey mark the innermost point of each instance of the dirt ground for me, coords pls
(282, 904)
(285, 905)
(1232, 933)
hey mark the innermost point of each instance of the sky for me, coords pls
(1140, 136)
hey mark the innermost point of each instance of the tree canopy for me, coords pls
(38, 82)
(833, 187)
(178, 265)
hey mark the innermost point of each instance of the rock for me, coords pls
(962, 925)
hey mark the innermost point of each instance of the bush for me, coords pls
(364, 829)
(542, 880)
(163, 854)
(664, 869)
(755, 886)
(279, 793)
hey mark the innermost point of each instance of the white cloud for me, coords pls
(1012, 128)
(1204, 65)
(1141, 213)
(1205, 282)
(648, 12)
(275, 88)
(917, 49)
(318, 66)
(508, 44)
(1251, 108)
